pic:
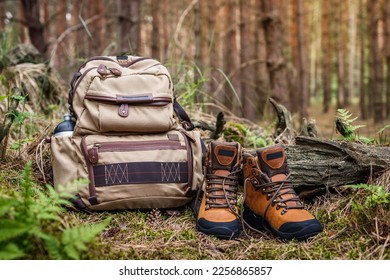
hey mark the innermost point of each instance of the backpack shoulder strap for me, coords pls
(182, 116)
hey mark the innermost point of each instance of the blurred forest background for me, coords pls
(324, 60)
(311, 56)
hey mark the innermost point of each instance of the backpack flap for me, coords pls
(109, 96)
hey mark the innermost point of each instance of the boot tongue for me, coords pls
(273, 162)
(223, 156)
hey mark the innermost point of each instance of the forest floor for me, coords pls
(353, 228)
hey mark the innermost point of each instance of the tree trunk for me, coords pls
(388, 58)
(231, 58)
(303, 82)
(362, 80)
(246, 55)
(293, 71)
(376, 62)
(155, 6)
(36, 29)
(352, 50)
(275, 61)
(60, 28)
(261, 76)
(213, 45)
(326, 56)
(129, 25)
(2, 15)
(339, 36)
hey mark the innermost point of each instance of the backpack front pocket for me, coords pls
(130, 172)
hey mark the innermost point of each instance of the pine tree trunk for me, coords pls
(155, 7)
(303, 82)
(376, 62)
(352, 50)
(388, 58)
(198, 67)
(275, 61)
(60, 28)
(293, 72)
(246, 55)
(36, 29)
(261, 74)
(2, 15)
(129, 25)
(231, 57)
(339, 36)
(362, 84)
(213, 44)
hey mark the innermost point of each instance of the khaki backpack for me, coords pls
(126, 141)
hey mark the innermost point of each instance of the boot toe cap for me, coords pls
(224, 230)
(300, 230)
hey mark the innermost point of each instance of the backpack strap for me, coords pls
(183, 116)
(71, 93)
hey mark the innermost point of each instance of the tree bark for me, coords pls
(340, 62)
(155, 6)
(130, 25)
(231, 57)
(388, 58)
(2, 15)
(320, 164)
(362, 72)
(303, 82)
(261, 75)
(35, 27)
(275, 62)
(376, 73)
(326, 56)
(352, 50)
(61, 26)
(246, 54)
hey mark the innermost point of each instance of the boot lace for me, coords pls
(221, 191)
(275, 192)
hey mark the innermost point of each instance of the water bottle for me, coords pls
(65, 128)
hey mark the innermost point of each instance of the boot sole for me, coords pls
(256, 222)
(228, 230)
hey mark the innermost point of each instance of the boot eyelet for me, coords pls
(283, 212)
(277, 207)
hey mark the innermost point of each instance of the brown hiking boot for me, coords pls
(216, 207)
(270, 200)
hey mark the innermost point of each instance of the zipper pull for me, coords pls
(102, 70)
(93, 154)
(115, 71)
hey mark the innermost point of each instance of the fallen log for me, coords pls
(322, 164)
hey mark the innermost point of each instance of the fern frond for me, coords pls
(6, 205)
(10, 229)
(53, 247)
(10, 251)
(75, 239)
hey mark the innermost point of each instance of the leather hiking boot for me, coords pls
(216, 206)
(270, 200)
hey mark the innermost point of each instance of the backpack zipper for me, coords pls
(93, 153)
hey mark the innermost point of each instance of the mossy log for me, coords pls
(317, 164)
